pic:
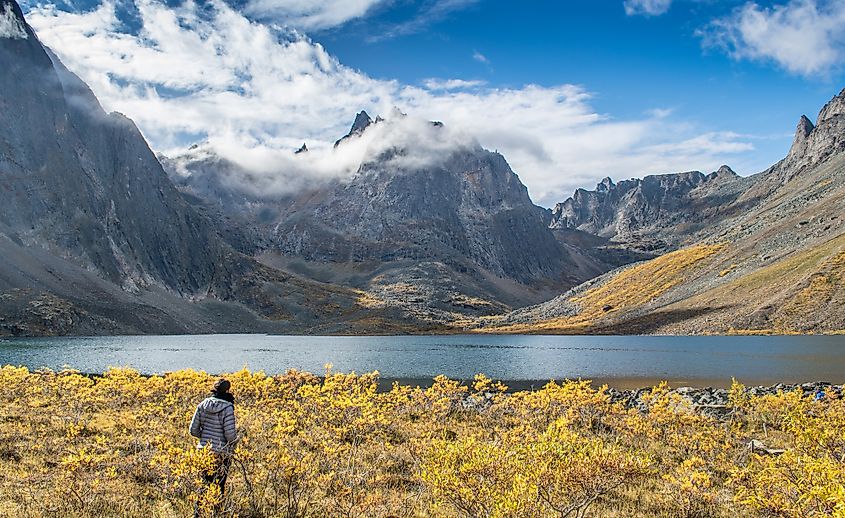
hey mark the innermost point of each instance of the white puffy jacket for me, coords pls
(214, 425)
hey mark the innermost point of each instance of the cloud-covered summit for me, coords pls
(399, 142)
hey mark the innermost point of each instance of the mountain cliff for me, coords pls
(95, 237)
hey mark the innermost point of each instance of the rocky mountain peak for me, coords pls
(302, 149)
(362, 121)
(805, 126)
(724, 172)
(835, 107)
(802, 137)
(12, 24)
(814, 144)
(605, 185)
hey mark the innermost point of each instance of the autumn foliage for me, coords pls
(117, 445)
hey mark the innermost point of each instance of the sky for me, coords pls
(568, 91)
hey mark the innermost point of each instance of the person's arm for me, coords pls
(196, 424)
(229, 430)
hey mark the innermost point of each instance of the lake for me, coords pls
(623, 361)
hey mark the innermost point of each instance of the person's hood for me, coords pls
(212, 405)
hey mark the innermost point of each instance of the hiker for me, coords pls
(214, 425)
(820, 394)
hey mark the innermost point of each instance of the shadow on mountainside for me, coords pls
(651, 322)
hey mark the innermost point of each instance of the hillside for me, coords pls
(775, 267)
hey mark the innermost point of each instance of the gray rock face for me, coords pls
(85, 182)
(814, 143)
(469, 210)
(205, 182)
(668, 207)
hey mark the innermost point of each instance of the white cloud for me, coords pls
(452, 84)
(802, 36)
(481, 58)
(10, 26)
(660, 113)
(272, 168)
(255, 93)
(310, 14)
(430, 13)
(647, 7)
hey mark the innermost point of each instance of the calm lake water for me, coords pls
(619, 360)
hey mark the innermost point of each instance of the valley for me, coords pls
(429, 233)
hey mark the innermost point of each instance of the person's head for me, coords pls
(221, 389)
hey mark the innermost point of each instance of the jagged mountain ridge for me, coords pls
(663, 212)
(656, 212)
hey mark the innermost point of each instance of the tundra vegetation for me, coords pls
(117, 445)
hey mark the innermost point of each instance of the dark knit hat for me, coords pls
(222, 386)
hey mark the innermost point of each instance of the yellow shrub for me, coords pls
(117, 445)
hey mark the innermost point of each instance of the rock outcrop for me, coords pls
(654, 213)
(359, 125)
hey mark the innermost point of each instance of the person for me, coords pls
(820, 394)
(214, 425)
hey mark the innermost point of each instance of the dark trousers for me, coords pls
(218, 477)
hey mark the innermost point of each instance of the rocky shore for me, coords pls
(714, 401)
(710, 401)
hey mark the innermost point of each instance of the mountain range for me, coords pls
(99, 235)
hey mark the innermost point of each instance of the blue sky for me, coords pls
(568, 91)
(632, 63)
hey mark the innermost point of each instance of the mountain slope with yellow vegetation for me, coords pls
(778, 267)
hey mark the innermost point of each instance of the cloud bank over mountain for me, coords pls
(257, 91)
